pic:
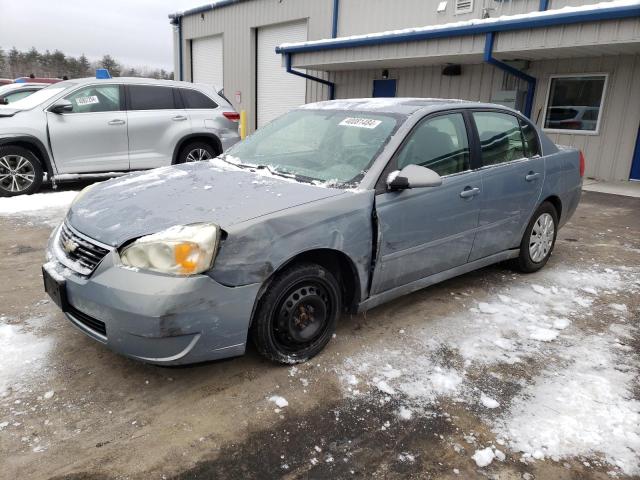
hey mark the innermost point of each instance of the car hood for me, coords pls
(8, 111)
(138, 204)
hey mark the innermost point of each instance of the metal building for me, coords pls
(573, 66)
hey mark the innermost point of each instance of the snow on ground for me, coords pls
(47, 206)
(23, 353)
(579, 401)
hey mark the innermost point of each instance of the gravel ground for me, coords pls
(494, 374)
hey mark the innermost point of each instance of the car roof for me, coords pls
(399, 105)
(17, 86)
(128, 80)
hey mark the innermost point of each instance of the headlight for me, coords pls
(179, 250)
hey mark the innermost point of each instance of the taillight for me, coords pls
(582, 164)
(233, 116)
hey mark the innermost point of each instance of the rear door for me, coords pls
(424, 231)
(93, 137)
(157, 122)
(512, 177)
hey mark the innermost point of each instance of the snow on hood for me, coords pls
(142, 203)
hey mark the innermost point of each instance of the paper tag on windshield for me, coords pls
(87, 100)
(360, 122)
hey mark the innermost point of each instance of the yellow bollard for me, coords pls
(243, 124)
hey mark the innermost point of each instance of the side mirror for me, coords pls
(62, 106)
(413, 176)
(4, 101)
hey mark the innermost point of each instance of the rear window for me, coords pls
(196, 99)
(147, 97)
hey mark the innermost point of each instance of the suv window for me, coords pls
(440, 144)
(196, 99)
(147, 97)
(500, 137)
(95, 98)
(532, 148)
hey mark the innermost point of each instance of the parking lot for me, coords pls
(530, 375)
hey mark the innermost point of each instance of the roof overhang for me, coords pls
(204, 8)
(463, 42)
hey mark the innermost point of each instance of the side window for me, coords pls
(196, 99)
(14, 97)
(532, 148)
(95, 98)
(147, 97)
(500, 137)
(440, 144)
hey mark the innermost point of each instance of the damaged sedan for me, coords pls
(334, 207)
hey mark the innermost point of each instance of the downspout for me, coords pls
(180, 49)
(531, 81)
(336, 11)
(544, 5)
(331, 85)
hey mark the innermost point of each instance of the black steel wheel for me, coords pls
(297, 315)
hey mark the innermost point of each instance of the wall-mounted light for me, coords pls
(385, 74)
(452, 70)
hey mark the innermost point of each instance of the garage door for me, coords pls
(278, 91)
(207, 61)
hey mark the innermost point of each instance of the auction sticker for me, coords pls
(360, 122)
(87, 100)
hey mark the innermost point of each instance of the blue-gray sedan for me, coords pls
(336, 206)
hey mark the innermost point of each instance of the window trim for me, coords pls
(600, 111)
(392, 164)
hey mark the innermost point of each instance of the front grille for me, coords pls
(89, 322)
(79, 250)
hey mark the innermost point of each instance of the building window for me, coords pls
(574, 103)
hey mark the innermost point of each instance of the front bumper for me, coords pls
(156, 318)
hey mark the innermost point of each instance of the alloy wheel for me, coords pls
(198, 155)
(541, 239)
(16, 173)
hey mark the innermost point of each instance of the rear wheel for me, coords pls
(20, 171)
(539, 239)
(197, 152)
(297, 315)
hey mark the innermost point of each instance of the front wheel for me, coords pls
(539, 239)
(297, 315)
(20, 172)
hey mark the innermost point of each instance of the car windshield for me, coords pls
(330, 146)
(38, 97)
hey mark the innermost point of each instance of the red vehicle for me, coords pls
(5, 81)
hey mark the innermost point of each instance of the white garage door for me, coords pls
(207, 61)
(278, 91)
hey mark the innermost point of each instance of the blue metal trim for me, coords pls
(331, 85)
(560, 18)
(531, 81)
(336, 12)
(544, 5)
(635, 162)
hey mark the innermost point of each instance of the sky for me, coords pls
(135, 32)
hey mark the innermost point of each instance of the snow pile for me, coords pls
(23, 354)
(580, 404)
(281, 402)
(46, 205)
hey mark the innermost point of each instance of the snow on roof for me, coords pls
(466, 23)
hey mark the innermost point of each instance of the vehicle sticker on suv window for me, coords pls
(87, 100)
(360, 122)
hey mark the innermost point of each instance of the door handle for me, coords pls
(178, 118)
(117, 122)
(469, 192)
(531, 176)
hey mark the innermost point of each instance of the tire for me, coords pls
(538, 239)
(293, 297)
(196, 152)
(20, 171)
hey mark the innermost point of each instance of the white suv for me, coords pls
(90, 126)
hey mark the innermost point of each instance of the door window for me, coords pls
(95, 98)
(195, 99)
(148, 97)
(440, 144)
(500, 137)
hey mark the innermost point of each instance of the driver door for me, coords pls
(424, 231)
(93, 137)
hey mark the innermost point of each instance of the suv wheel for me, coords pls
(196, 152)
(20, 172)
(297, 315)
